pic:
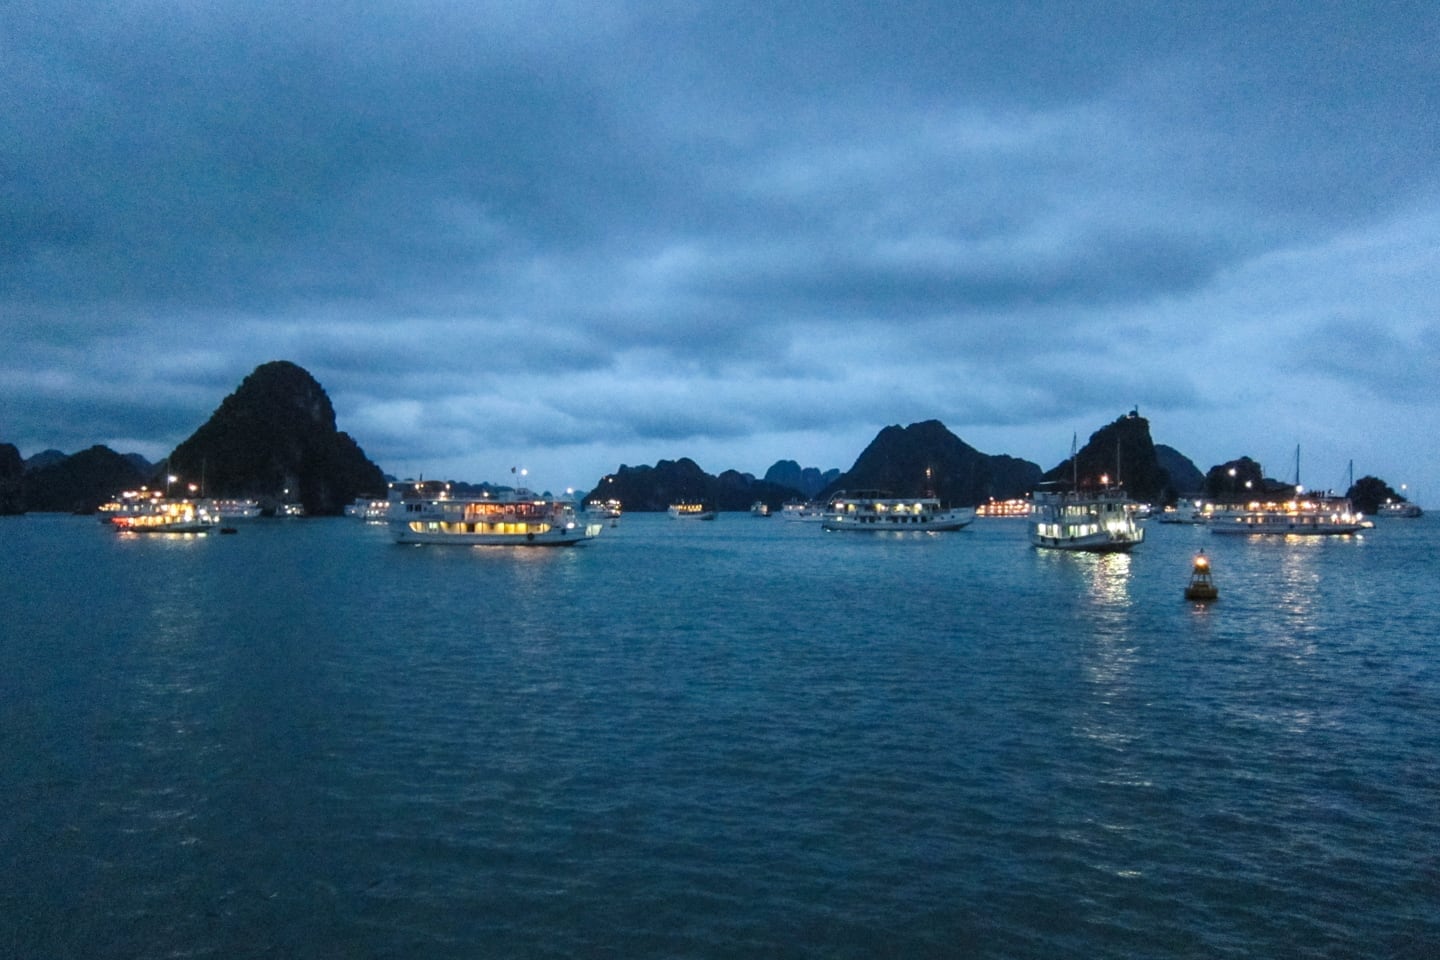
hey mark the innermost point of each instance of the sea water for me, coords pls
(746, 738)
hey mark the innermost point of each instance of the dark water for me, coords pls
(739, 739)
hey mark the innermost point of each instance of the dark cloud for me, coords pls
(672, 224)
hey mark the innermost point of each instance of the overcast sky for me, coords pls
(568, 236)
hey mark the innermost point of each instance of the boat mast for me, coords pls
(1074, 467)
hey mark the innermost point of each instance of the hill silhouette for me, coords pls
(926, 459)
(647, 489)
(1118, 452)
(80, 483)
(275, 439)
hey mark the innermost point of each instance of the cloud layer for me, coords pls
(575, 235)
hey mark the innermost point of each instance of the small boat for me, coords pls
(521, 519)
(1184, 511)
(691, 511)
(798, 511)
(603, 509)
(1399, 510)
(369, 509)
(1100, 521)
(876, 510)
(1201, 586)
(759, 509)
(231, 508)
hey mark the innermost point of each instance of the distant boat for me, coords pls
(802, 512)
(369, 509)
(1184, 511)
(691, 511)
(1400, 510)
(520, 519)
(603, 509)
(231, 509)
(759, 509)
(875, 510)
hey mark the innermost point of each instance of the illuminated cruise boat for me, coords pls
(875, 510)
(1017, 507)
(145, 512)
(1300, 516)
(522, 518)
(691, 511)
(1100, 521)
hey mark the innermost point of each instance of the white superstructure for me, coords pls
(874, 510)
(520, 519)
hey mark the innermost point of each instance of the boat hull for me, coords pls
(1279, 529)
(554, 537)
(197, 527)
(1094, 543)
(943, 522)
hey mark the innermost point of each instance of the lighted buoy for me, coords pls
(1201, 587)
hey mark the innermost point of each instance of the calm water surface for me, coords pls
(733, 739)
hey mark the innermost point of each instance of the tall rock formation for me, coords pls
(927, 459)
(1121, 451)
(275, 438)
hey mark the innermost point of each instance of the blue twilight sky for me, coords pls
(573, 235)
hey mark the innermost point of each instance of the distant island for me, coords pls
(275, 439)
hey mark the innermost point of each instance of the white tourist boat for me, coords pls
(603, 509)
(1300, 516)
(369, 509)
(1100, 521)
(759, 509)
(1400, 510)
(1184, 511)
(802, 512)
(233, 508)
(520, 519)
(875, 510)
(691, 511)
(156, 514)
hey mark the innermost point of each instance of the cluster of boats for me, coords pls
(1060, 518)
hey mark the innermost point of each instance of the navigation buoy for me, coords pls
(1201, 587)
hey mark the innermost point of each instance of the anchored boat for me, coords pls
(1102, 521)
(521, 519)
(875, 510)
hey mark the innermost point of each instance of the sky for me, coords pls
(574, 235)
